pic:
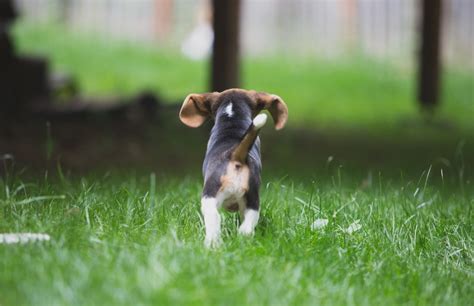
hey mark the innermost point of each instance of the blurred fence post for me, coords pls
(65, 11)
(225, 51)
(163, 18)
(7, 59)
(429, 55)
(349, 13)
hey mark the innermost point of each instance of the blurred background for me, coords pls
(370, 84)
(385, 29)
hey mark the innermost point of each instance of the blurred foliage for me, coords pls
(340, 92)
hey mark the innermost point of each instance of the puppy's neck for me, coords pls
(232, 120)
(233, 115)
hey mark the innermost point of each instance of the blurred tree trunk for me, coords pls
(7, 59)
(23, 79)
(429, 61)
(225, 52)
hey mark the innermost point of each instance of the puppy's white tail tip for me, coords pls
(260, 121)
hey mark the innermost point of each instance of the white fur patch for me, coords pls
(250, 221)
(260, 121)
(212, 221)
(228, 110)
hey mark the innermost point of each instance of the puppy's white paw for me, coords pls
(246, 230)
(260, 121)
(247, 227)
(212, 243)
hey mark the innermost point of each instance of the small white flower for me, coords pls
(12, 238)
(354, 227)
(319, 224)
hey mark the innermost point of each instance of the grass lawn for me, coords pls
(138, 240)
(398, 194)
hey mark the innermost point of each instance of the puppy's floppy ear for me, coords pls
(276, 107)
(196, 109)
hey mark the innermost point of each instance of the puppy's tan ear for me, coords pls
(196, 109)
(276, 107)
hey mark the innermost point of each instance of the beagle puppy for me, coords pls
(232, 164)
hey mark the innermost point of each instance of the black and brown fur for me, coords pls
(232, 164)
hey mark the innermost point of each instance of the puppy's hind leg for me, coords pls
(212, 221)
(251, 211)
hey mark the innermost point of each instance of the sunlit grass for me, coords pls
(125, 240)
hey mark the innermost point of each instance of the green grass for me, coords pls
(121, 240)
(127, 237)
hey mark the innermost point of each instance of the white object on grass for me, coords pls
(354, 227)
(319, 224)
(12, 238)
(260, 121)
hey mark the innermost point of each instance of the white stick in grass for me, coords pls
(12, 238)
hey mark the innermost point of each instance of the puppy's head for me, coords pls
(197, 108)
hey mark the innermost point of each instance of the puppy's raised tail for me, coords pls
(241, 151)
